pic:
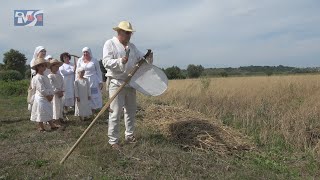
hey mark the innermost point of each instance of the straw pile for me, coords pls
(192, 130)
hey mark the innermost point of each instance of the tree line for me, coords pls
(195, 71)
(14, 68)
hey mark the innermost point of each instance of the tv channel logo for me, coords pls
(28, 18)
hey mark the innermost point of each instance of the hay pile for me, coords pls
(192, 130)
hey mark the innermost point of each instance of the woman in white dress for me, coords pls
(94, 75)
(42, 107)
(56, 82)
(83, 95)
(67, 71)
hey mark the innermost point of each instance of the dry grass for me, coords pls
(175, 142)
(267, 108)
(193, 131)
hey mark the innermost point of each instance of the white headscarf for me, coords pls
(35, 55)
(88, 50)
(80, 60)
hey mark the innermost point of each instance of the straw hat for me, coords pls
(124, 25)
(55, 61)
(38, 61)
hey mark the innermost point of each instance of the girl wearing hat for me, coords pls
(42, 107)
(39, 52)
(67, 71)
(83, 95)
(93, 74)
(56, 82)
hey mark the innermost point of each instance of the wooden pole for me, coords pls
(105, 107)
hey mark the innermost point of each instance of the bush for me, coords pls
(174, 72)
(194, 71)
(27, 74)
(269, 73)
(14, 88)
(224, 74)
(10, 75)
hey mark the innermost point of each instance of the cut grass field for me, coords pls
(28, 154)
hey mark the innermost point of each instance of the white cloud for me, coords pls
(207, 32)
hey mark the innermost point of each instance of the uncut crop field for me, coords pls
(273, 110)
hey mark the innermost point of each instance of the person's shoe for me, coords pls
(116, 147)
(54, 128)
(131, 139)
(42, 130)
(63, 120)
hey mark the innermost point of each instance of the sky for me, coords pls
(211, 33)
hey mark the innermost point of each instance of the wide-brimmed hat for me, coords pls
(124, 25)
(55, 61)
(38, 61)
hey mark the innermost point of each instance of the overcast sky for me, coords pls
(213, 33)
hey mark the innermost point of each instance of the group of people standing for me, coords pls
(70, 85)
(57, 84)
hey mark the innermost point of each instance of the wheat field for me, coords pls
(272, 121)
(272, 110)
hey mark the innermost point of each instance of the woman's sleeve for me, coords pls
(76, 90)
(88, 86)
(62, 85)
(66, 72)
(98, 70)
(79, 63)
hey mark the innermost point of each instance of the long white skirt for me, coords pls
(41, 109)
(83, 108)
(68, 102)
(96, 96)
(57, 107)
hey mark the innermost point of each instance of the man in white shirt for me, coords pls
(118, 65)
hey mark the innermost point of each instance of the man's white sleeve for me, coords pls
(109, 61)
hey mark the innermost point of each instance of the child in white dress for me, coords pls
(56, 81)
(83, 95)
(42, 107)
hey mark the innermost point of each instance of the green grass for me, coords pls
(28, 154)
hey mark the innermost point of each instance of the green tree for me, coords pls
(14, 60)
(10, 75)
(174, 72)
(269, 73)
(224, 74)
(2, 67)
(194, 71)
